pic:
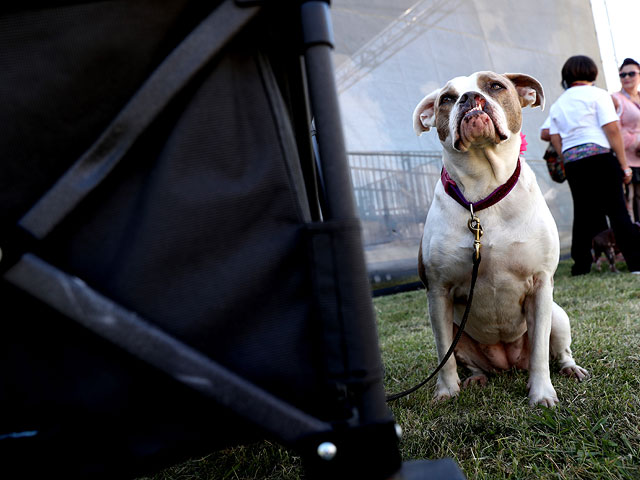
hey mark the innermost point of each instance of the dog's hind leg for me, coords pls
(595, 259)
(477, 377)
(560, 344)
(470, 355)
(611, 256)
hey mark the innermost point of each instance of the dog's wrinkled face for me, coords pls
(478, 110)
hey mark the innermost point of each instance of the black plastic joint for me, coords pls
(316, 24)
(368, 451)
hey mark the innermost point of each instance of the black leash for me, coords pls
(476, 229)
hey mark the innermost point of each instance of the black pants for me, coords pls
(596, 188)
(635, 186)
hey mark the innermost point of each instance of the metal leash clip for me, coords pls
(476, 229)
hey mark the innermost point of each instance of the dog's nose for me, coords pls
(472, 99)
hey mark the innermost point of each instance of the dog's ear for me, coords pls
(529, 89)
(424, 116)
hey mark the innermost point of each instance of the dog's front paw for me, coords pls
(542, 393)
(446, 390)
(575, 371)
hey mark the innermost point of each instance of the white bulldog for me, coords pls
(514, 321)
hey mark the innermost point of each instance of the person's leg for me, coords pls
(588, 214)
(627, 236)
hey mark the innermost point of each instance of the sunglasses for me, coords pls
(631, 74)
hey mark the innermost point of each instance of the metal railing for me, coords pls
(393, 192)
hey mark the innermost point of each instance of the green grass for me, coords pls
(492, 432)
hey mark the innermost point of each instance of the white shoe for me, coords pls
(637, 272)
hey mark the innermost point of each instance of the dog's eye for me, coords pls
(496, 86)
(447, 99)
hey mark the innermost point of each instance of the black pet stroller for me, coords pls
(181, 272)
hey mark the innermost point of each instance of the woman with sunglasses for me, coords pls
(585, 128)
(627, 102)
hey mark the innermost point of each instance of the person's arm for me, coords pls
(612, 131)
(544, 135)
(556, 141)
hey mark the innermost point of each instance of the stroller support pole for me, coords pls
(318, 41)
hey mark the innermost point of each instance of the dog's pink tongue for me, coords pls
(476, 126)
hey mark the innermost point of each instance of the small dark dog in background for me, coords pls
(605, 242)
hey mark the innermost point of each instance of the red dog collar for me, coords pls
(494, 197)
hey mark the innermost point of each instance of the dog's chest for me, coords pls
(508, 264)
(516, 246)
(506, 278)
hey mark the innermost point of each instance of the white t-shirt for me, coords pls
(579, 114)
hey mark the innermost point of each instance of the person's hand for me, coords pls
(627, 176)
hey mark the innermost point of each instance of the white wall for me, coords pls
(389, 55)
(447, 39)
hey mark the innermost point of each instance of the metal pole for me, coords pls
(318, 41)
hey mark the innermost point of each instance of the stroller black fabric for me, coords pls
(209, 228)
